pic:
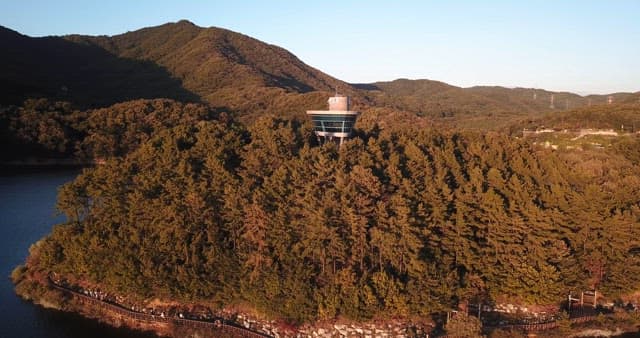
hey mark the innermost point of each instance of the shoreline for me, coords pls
(46, 163)
(217, 325)
(36, 287)
(39, 288)
(175, 318)
(41, 291)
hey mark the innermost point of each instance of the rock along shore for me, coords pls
(188, 320)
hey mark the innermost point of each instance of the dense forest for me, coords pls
(396, 222)
(56, 129)
(622, 117)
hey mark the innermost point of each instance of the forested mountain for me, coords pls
(83, 74)
(479, 107)
(620, 117)
(209, 59)
(51, 87)
(237, 73)
(214, 190)
(225, 68)
(227, 72)
(176, 60)
(394, 223)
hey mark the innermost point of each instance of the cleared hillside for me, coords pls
(622, 117)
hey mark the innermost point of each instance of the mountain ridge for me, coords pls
(238, 73)
(149, 46)
(478, 107)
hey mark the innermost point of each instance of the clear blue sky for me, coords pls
(580, 46)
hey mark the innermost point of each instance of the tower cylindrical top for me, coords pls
(339, 103)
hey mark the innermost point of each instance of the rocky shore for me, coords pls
(38, 287)
(189, 320)
(174, 319)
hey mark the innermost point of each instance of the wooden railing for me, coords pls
(220, 326)
(542, 326)
(226, 328)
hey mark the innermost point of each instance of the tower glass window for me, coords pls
(337, 122)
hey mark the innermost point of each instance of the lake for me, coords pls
(27, 209)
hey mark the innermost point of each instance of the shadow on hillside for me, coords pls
(82, 73)
(289, 82)
(366, 86)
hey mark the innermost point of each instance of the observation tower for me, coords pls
(335, 123)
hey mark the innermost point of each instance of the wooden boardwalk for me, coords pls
(542, 326)
(218, 326)
(222, 327)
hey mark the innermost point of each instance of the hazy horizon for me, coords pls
(584, 47)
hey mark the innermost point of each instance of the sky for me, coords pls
(587, 47)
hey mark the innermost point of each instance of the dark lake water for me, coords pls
(27, 213)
